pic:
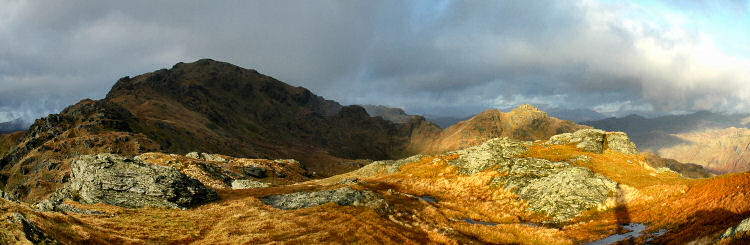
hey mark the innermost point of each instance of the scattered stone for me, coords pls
(247, 184)
(212, 157)
(255, 172)
(492, 153)
(733, 232)
(30, 230)
(349, 181)
(194, 155)
(116, 180)
(206, 156)
(619, 141)
(343, 196)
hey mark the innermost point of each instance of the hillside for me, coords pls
(714, 141)
(523, 123)
(7, 141)
(718, 150)
(519, 195)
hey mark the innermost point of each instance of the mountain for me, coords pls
(208, 106)
(396, 115)
(637, 125)
(712, 140)
(523, 123)
(15, 125)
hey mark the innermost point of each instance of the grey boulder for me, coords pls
(116, 180)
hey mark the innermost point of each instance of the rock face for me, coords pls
(733, 232)
(593, 140)
(116, 180)
(493, 152)
(344, 197)
(557, 189)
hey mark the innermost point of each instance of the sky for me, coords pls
(436, 57)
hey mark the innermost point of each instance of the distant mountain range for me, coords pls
(716, 141)
(17, 124)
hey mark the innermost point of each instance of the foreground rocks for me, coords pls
(119, 181)
(345, 196)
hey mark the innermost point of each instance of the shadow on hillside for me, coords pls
(622, 216)
(703, 224)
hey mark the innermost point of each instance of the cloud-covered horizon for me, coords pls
(451, 58)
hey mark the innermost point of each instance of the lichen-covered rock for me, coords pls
(247, 184)
(591, 140)
(557, 189)
(619, 141)
(566, 194)
(343, 196)
(116, 180)
(520, 171)
(493, 152)
(741, 228)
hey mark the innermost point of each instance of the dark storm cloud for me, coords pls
(433, 57)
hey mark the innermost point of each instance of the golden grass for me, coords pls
(690, 209)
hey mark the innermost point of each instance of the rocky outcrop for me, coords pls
(345, 196)
(593, 140)
(619, 141)
(491, 153)
(116, 180)
(557, 189)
